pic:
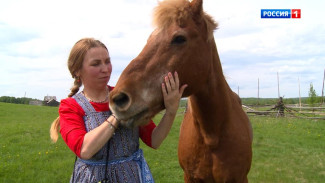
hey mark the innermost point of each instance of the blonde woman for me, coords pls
(105, 150)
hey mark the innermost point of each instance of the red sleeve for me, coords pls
(72, 127)
(145, 133)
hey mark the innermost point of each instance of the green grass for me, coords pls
(284, 149)
(26, 153)
(288, 150)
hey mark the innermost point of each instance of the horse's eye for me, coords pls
(179, 40)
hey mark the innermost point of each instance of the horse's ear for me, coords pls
(197, 7)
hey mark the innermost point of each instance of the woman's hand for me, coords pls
(172, 93)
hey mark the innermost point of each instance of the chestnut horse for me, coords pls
(215, 143)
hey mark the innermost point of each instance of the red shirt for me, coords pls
(72, 127)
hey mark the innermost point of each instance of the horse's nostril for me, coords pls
(121, 100)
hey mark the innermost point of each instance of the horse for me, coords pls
(215, 142)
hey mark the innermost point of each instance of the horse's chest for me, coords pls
(195, 158)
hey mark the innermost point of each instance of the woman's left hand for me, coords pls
(172, 93)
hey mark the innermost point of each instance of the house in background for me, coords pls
(50, 101)
(49, 98)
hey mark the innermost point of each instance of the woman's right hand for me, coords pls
(172, 93)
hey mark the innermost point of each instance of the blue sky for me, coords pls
(36, 37)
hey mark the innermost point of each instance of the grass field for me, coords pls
(285, 150)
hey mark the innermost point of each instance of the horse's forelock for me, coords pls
(169, 11)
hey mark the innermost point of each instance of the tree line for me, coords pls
(14, 100)
(272, 101)
(313, 99)
(25, 100)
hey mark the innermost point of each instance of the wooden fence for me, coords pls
(289, 111)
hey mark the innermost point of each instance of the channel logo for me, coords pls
(280, 13)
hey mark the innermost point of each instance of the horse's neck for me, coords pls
(211, 106)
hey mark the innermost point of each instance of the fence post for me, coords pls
(323, 89)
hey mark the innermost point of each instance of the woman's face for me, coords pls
(96, 68)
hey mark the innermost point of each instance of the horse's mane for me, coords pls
(168, 11)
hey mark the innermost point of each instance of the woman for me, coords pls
(106, 151)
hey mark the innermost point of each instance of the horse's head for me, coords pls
(181, 42)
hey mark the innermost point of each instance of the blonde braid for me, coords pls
(55, 126)
(75, 88)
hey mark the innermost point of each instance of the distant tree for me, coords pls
(14, 100)
(312, 95)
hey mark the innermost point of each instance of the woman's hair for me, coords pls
(76, 58)
(75, 61)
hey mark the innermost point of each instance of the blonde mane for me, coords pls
(179, 11)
